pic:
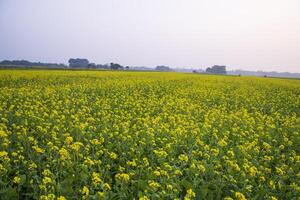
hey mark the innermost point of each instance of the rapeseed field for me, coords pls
(147, 135)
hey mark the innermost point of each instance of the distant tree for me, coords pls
(92, 66)
(216, 69)
(163, 68)
(100, 66)
(17, 62)
(25, 63)
(115, 66)
(78, 63)
(62, 65)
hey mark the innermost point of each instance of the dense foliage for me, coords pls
(147, 135)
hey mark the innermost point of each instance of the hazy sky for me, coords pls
(247, 34)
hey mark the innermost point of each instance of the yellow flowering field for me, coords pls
(147, 135)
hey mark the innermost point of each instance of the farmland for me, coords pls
(147, 135)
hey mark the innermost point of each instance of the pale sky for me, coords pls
(241, 34)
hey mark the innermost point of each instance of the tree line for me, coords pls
(83, 63)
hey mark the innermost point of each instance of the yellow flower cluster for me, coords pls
(123, 177)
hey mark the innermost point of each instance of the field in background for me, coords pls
(147, 135)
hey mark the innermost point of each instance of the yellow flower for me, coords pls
(96, 179)
(64, 154)
(183, 158)
(123, 177)
(85, 192)
(253, 171)
(146, 162)
(178, 172)
(32, 166)
(266, 145)
(131, 163)
(156, 173)
(3, 134)
(230, 153)
(215, 152)
(106, 186)
(222, 143)
(2, 169)
(69, 140)
(190, 194)
(38, 149)
(16, 180)
(279, 171)
(76, 146)
(262, 178)
(153, 184)
(95, 142)
(47, 172)
(160, 153)
(240, 196)
(88, 161)
(113, 155)
(201, 168)
(144, 198)
(169, 187)
(47, 180)
(4, 156)
(281, 147)
(272, 184)
(47, 197)
(61, 198)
